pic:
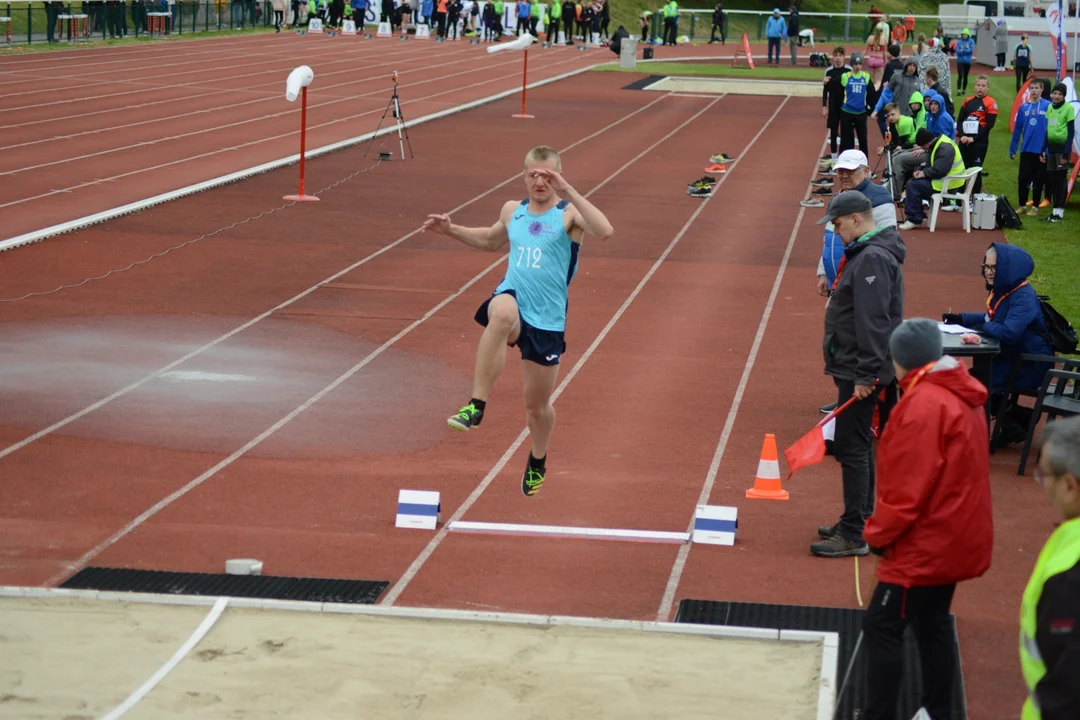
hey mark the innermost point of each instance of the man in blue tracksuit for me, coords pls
(1031, 125)
(965, 48)
(776, 31)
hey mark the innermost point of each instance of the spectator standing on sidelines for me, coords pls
(865, 306)
(718, 18)
(1050, 608)
(853, 117)
(1060, 131)
(965, 49)
(671, 22)
(1022, 62)
(646, 21)
(523, 10)
(933, 521)
(1001, 45)
(832, 98)
(775, 31)
(977, 116)
(1031, 127)
(793, 34)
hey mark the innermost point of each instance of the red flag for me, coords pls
(810, 448)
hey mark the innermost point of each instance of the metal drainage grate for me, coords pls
(360, 592)
(847, 623)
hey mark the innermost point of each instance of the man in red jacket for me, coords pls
(932, 523)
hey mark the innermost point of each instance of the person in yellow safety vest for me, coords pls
(552, 22)
(535, 15)
(1050, 609)
(945, 160)
(671, 22)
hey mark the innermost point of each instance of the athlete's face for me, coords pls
(981, 88)
(537, 184)
(1056, 97)
(894, 116)
(1035, 91)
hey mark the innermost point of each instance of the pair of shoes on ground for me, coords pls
(835, 545)
(701, 188)
(470, 417)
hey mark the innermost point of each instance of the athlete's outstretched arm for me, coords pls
(589, 216)
(482, 238)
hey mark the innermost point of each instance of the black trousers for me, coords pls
(1021, 77)
(1057, 175)
(1032, 173)
(833, 121)
(853, 449)
(974, 154)
(891, 610)
(852, 126)
(962, 72)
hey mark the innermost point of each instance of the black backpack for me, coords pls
(1060, 333)
(1006, 216)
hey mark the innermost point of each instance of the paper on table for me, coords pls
(954, 329)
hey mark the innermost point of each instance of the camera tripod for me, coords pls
(394, 105)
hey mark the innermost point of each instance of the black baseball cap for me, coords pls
(850, 202)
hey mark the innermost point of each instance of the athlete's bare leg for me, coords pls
(539, 385)
(503, 327)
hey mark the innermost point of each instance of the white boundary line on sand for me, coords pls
(244, 326)
(178, 656)
(72, 225)
(830, 641)
(440, 535)
(668, 600)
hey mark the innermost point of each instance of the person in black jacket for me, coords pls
(865, 306)
(832, 97)
(718, 17)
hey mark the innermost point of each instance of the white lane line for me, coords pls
(178, 656)
(240, 328)
(668, 601)
(399, 587)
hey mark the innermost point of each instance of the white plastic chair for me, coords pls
(963, 194)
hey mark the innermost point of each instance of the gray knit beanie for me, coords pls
(915, 343)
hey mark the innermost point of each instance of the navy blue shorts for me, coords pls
(543, 347)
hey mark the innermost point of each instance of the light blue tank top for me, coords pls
(543, 261)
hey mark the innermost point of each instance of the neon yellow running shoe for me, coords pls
(466, 418)
(532, 481)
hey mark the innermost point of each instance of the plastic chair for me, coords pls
(1059, 396)
(963, 194)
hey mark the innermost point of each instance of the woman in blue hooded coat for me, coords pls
(1014, 319)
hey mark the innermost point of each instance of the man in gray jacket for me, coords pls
(866, 305)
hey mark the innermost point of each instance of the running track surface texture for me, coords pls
(224, 400)
(87, 131)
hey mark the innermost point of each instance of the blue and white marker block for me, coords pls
(715, 525)
(418, 509)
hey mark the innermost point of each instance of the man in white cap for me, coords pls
(853, 173)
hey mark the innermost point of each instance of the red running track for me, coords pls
(693, 332)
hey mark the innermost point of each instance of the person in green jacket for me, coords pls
(671, 22)
(551, 27)
(1050, 608)
(1060, 132)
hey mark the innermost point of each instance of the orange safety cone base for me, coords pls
(758, 494)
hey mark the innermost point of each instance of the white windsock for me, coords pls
(524, 41)
(301, 77)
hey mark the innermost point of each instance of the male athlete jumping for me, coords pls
(528, 308)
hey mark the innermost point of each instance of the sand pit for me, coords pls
(735, 86)
(80, 657)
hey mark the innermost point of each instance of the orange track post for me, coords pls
(524, 82)
(301, 197)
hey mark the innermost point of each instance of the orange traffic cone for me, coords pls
(767, 484)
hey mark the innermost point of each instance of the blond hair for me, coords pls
(543, 153)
